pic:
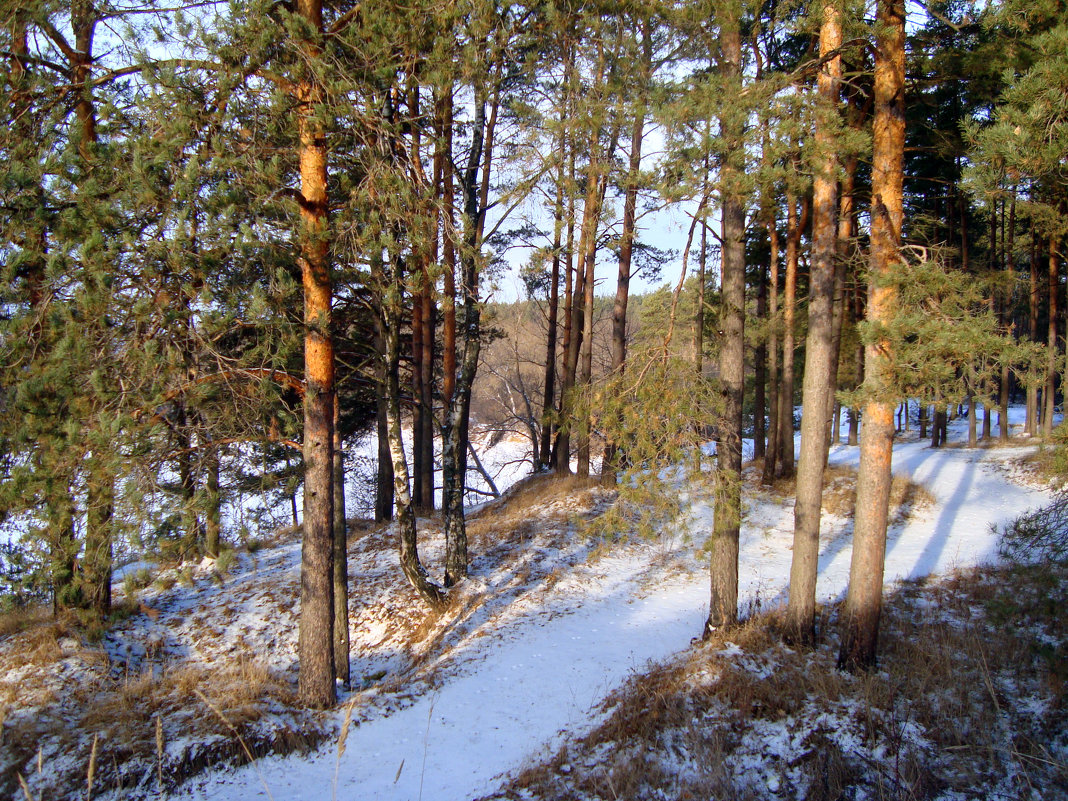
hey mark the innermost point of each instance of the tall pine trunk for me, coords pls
(723, 560)
(316, 639)
(1032, 322)
(771, 455)
(455, 431)
(341, 557)
(407, 543)
(858, 363)
(1006, 317)
(1051, 342)
(626, 245)
(549, 384)
(863, 605)
(817, 393)
(384, 370)
(760, 371)
(794, 224)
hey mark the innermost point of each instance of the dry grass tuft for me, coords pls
(111, 725)
(22, 618)
(510, 519)
(132, 720)
(840, 492)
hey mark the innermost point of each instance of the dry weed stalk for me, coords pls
(244, 746)
(159, 753)
(92, 768)
(342, 739)
(26, 789)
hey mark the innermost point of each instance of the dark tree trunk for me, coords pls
(795, 223)
(1051, 343)
(419, 467)
(858, 363)
(427, 399)
(405, 515)
(572, 342)
(598, 179)
(723, 561)
(973, 439)
(843, 246)
(1006, 319)
(626, 245)
(96, 562)
(771, 455)
(385, 371)
(760, 372)
(547, 426)
(213, 513)
(455, 431)
(341, 557)
(448, 252)
(1032, 320)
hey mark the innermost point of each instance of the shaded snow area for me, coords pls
(454, 706)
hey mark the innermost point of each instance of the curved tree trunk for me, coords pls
(407, 544)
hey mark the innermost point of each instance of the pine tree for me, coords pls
(863, 605)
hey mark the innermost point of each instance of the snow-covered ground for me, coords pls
(518, 679)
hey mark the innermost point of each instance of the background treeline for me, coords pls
(237, 237)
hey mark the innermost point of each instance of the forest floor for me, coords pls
(564, 667)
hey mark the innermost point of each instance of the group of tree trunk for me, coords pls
(221, 266)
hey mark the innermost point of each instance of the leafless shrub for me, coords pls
(1039, 535)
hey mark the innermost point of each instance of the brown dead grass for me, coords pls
(510, 519)
(962, 668)
(38, 723)
(840, 492)
(22, 618)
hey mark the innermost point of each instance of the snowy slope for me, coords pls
(521, 677)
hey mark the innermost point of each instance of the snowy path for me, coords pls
(543, 673)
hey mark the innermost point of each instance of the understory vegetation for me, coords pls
(968, 701)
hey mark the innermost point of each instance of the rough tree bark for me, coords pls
(771, 454)
(405, 514)
(549, 385)
(341, 557)
(1032, 323)
(795, 224)
(819, 352)
(454, 435)
(316, 638)
(626, 245)
(863, 605)
(1051, 342)
(723, 561)
(384, 369)
(1006, 315)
